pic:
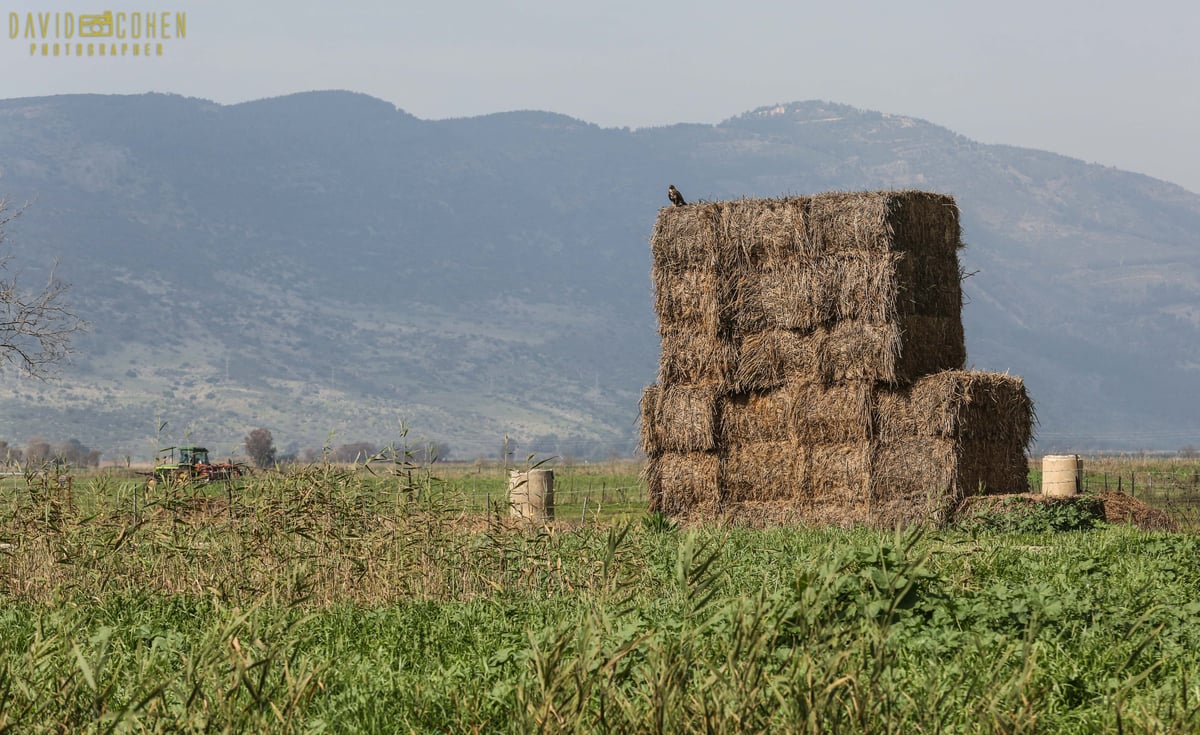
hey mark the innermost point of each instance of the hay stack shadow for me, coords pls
(812, 365)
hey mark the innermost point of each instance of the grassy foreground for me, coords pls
(332, 601)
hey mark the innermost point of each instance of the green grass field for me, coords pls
(328, 599)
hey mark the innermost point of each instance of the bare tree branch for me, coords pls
(36, 327)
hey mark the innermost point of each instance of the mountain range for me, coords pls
(334, 269)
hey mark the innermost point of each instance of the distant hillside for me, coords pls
(324, 263)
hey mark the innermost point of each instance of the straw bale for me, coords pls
(679, 482)
(805, 294)
(687, 297)
(929, 284)
(772, 470)
(875, 288)
(756, 232)
(767, 513)
(927, 344)
(685, 418)
(914, 469)
(692, 356)
(834, 414)
(761, 416)
(651, 442)
(924, 222)
(807, 412)
(931, 474)
(854, 350)
(884, 221)
(859, 350)
(685, 237)
(773, 357)
(986, 467)
(1122, 508)
(742, 307)
(695, 298)
(838, 473)
(958, 403)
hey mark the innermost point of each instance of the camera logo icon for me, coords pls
(96, 26)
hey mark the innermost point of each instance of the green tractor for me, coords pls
(190, 464)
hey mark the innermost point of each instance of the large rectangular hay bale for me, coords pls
(964, 404)
(916, 222)
(758, 232)
(689, 297)
(679, 418)
(871, 287)
(839, 473)
(805, 294)
(989, 468)
(701, 300)
(810, 413)
(929, 284)
(889, 352)
(683, 482)
(690, 356)
(807, 260)
(685, 237)
(650, 441)
(771, 470)
(922, 479)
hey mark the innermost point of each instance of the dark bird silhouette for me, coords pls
(675, 197)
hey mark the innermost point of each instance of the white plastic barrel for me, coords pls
(1061, 474)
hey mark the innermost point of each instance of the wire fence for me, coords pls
(1176, 493)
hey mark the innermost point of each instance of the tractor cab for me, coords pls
(193, 455)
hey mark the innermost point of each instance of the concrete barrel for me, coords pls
(531, 494)
(1061, 475)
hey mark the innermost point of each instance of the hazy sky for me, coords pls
(1116, 83)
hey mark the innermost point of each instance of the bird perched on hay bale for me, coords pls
(675, 197)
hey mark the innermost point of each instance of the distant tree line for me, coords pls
(38, 451)
(260, 447)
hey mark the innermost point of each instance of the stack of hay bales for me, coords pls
(812, 364)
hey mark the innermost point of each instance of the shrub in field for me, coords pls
(1019, 514)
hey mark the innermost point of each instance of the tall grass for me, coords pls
(329, 600)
